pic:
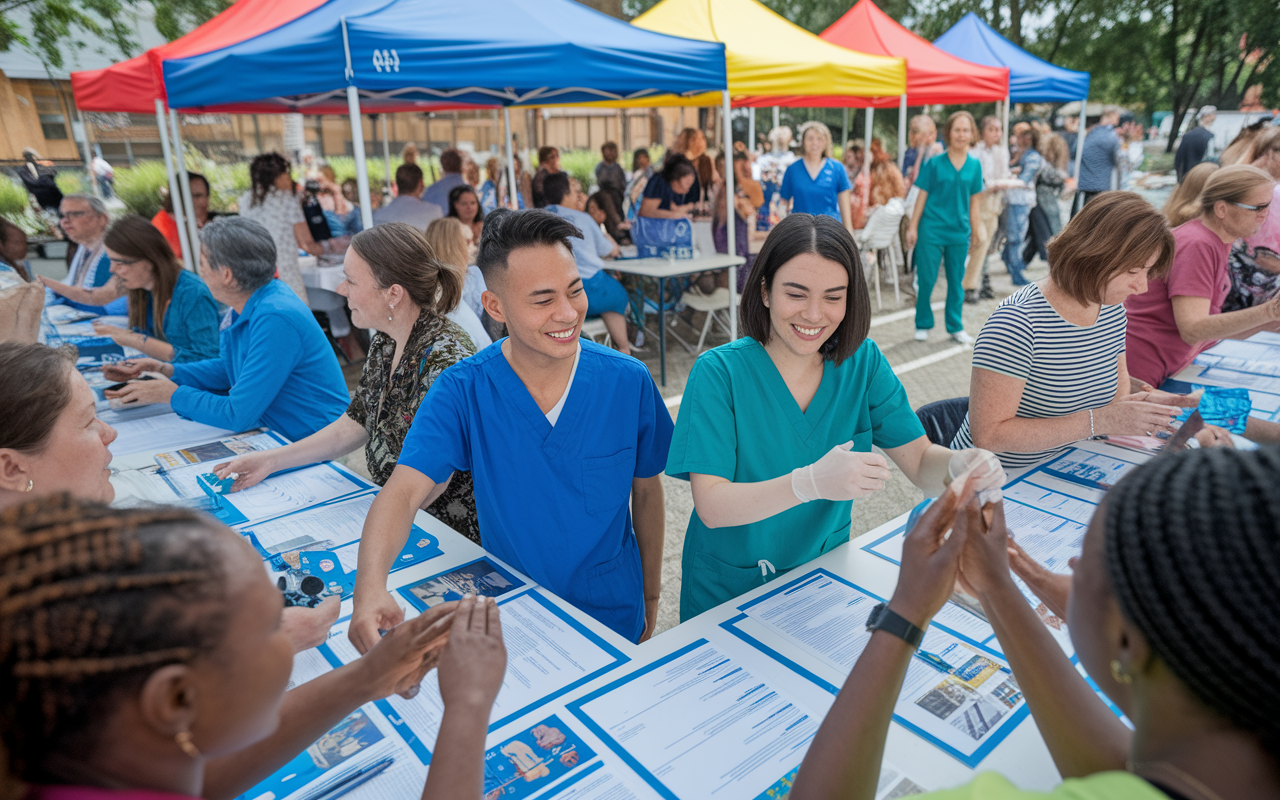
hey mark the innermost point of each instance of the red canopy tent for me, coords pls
(934, 77)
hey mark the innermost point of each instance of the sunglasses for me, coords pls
(1248, 207)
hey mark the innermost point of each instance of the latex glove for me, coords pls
(988, 473)
(840, 475)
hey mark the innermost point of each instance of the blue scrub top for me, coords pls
(276, 368)
(739, 421)
(553, 502)
(815, 196)
(190, 321)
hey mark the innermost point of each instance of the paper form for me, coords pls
(604, 783)
(1226, 377)
(700, 724)
(546, 655)
(291, 491)
(162, 432)
(1084, 468)
(956, 694)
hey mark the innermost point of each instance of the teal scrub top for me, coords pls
(945, 219)
(738, 420)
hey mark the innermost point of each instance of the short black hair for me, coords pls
(555, 187)
(796, 235)
(676, 167)
(640, 151)
(506, 230)
(408, 178)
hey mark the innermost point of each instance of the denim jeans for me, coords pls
(1019, 215)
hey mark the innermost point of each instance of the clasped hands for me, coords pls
(159, 390)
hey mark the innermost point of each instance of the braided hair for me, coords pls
(92, 601)
(1193, 551)
(263, 171)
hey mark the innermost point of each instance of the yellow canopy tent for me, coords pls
(768, 56)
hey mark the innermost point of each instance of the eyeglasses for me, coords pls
(1254, 209)
(72, 214)
(123, 262)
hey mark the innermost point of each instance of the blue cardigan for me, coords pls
(190, 322)
(276, 369)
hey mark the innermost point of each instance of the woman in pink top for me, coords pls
(1182, 315)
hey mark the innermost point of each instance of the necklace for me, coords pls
(1191, 785)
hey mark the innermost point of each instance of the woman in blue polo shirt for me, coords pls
(817, 183)
(775, 430)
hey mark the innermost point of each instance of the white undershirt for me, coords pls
(554, 414)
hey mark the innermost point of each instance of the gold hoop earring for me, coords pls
(1118, 673)
(183, 740)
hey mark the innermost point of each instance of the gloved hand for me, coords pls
(985, 466)
(840, 475)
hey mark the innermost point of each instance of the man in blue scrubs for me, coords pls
(564, 440)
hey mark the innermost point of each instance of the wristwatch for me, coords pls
(884, 619)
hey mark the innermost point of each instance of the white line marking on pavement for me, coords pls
(672, 402)
(925, 361)
(906, 313)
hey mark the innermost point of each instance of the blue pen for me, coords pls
(340, 786)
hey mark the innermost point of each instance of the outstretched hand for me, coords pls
(931, 556)
(399, 660)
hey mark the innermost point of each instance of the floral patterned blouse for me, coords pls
(385, 403)
(278, 212)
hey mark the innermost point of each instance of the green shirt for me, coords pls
(945, 219)
(738, 420)
(1100, 786)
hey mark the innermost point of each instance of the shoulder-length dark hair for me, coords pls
(455, 194)
(796, 235)
(133, 237)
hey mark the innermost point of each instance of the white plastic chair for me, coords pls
(716, 306)
(593, 328)
(880, 238)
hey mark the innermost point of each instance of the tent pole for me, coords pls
(1084, 102)
(1005, 123)
(751, 129)
(88, 153)
(777, 116)
(866, 162)
(175, 197)
(846, 133)
(902, 131)
(357, 145)
(386, 151)
(730, 214)
(512, 202)
(180, 166)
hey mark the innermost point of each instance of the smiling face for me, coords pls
(961, 133)
(815, 144)
(75, 457)
(541, 300)
(1128, 282)
(468, 206)
(370, 306)
(134, 273)
(807, 303)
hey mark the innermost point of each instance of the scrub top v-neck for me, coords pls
(739, 421)
(815, 194)
(552, 501)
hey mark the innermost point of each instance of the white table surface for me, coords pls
(671, 268)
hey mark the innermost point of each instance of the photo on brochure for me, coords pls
(481, 578)
(532, 760)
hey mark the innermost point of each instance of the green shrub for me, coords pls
(13, 197)
(73, 182)
(138, 187)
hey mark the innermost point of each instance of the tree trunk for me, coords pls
(1015, 22)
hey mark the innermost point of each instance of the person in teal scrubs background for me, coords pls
(945, 214)
(775, 430)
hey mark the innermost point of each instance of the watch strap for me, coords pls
(882, 618)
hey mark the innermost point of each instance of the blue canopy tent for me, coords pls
(1031, 79)
(422, 52)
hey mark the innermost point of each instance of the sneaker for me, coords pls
(971, 296)
(986, 293)
(961, 337)
(922, 334)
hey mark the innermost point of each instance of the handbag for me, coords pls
(662, 238)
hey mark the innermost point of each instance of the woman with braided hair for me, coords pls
(141, 656)
(272, 203)
(1173, 612)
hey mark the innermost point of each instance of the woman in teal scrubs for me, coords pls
(766, 423)
(945, 214)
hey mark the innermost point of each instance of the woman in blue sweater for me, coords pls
(172, 316)
(275, 369)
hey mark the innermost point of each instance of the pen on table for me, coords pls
(345, 783)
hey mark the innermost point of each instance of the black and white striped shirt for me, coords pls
(1066, 368)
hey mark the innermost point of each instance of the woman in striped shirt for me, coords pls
(1049, 365)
